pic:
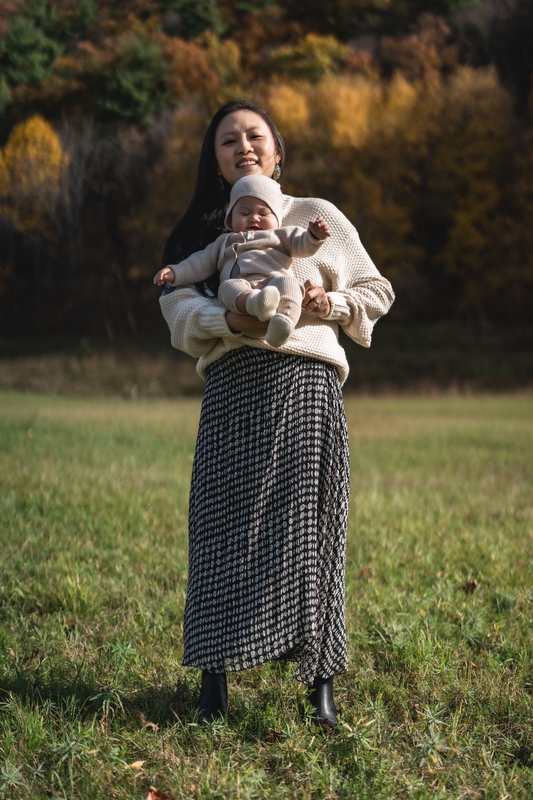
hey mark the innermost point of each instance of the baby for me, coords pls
(254, 259)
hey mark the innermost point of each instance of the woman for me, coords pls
(270, 483)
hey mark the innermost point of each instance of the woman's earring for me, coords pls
(277, 173)
(220, 184)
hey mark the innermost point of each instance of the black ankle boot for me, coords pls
(321, 698)
(213, 702)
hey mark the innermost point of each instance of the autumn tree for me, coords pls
(31, 167)
(189, 71)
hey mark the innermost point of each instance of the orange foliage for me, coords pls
(190, 71)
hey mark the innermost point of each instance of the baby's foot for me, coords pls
(263, 303)
(279, 330)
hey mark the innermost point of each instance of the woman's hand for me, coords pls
(316, 300)
(245, 323)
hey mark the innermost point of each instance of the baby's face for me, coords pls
(251, 214)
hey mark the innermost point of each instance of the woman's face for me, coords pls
(244, 145)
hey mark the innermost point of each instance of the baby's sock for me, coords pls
(262, 303)
(279, 330)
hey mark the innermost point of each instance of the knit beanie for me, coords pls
(262, 188)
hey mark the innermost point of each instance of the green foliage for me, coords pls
(75, 20)
(195, 16)
(27, 55)
(132, 86)
(44, 15)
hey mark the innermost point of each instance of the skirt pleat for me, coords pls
(267, 517)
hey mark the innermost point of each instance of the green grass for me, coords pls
(438, 699)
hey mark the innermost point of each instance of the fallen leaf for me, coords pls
(147, 724)
(469, 587)
(137, 764)
(154, 794)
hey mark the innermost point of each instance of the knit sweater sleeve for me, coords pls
(197, 267)
(359, 295)
(196, 323)
(298, 242)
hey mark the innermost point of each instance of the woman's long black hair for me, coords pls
(204, 219)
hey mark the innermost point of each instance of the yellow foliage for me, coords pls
(289, 107)
(348, 107)
(371, 147)
(31, 166)
(400, 98)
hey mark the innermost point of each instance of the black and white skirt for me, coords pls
(267, 517)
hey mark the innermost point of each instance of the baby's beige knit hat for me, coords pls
(262, 188)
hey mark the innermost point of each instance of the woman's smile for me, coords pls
(244, 145)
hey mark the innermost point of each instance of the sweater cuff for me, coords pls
(214, 322)
(340, 311)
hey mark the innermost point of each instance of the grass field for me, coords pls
(438, 699)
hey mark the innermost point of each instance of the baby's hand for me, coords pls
(164, 275)
(319, 229)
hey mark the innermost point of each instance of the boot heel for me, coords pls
(213, 701)
(321, 698)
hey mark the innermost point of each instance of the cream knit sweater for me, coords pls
(358, 295)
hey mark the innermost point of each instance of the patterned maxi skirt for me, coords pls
(267, 517)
